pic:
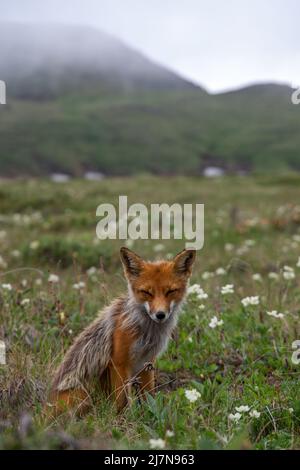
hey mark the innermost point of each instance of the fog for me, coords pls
(218, 44)
(37, 60)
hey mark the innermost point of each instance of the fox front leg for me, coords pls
(120, 384)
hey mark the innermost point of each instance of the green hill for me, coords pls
(80, 100)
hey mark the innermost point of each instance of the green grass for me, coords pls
(155, 132)
(244, 361)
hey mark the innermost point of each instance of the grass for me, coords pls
(157, 132)
(252, 226)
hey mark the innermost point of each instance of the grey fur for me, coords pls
(152, 337)
(90, 354)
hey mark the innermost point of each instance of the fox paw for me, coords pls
(135, 381)
(148, 366)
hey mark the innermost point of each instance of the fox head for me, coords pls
(159, 286)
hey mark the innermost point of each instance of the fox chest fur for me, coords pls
(149, 338)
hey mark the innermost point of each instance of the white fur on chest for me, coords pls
(141, 356)
(152, 338)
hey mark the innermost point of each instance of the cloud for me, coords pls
(218, 44)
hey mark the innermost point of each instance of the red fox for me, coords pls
(120, 346)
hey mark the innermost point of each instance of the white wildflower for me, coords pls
(15, 253)
(192, 395)
(170, 433)
(228, 289)
(214, 322)
(38, 282)
(273, 275)
(253, 300)
(202, 295)
(242, 409)
(79, 285)
(288, 273)
(275, 314)
(220, 272)
(157, 444)
(53, 278)
(91, 271)
(34, 245)
(25, 302)
(257, 277)
(196, 289)
(291, 410)
(254, 414)
(6, 286)
(24, 283)
(229, 247)
(201, 307)
(207, 275)
(235, 417)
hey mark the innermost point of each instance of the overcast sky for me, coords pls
(221, 44)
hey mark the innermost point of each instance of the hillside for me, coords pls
(82, 100)
(44, 61)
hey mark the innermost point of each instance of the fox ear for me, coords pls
(132, 263)
(183, 262)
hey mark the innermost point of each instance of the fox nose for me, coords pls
(160, 315)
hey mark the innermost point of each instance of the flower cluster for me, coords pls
(254, 300)
(243, 409)
(228, 289)
(79, 285)
(198, 291)
(214, 322)
(275, 314)
(192, 395)
(288, 273)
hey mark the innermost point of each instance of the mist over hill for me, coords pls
(80, 100)
(43, 61)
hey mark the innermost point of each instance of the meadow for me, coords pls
(227, 380)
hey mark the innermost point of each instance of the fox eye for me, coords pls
(146, 292)
(171, 291)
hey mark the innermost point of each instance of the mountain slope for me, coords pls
(44, 61)
(80, 100)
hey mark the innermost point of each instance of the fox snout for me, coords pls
(159, 315)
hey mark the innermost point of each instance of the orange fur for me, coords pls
(124, 334)
(77, 399)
